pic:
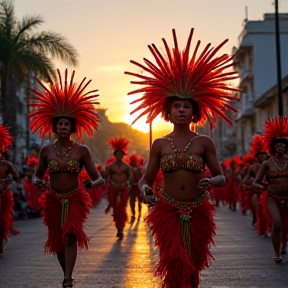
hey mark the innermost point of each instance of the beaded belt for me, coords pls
(63, 194)
(184, 205)
(281, 199)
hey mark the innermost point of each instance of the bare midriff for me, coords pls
(182, 185)
(64, 182)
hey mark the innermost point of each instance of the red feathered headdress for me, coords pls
(64, 99)
(32, 160)
(257, 145)
(119, 143)
(249, 159)
(135, 159)
(274, 129)
(5, 139)
(202, 79)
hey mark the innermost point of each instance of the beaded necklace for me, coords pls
(177, 150)
(65, 153)
(278, 166)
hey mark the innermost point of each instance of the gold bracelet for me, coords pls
(39, 183)
(98, 182)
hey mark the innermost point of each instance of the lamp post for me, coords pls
(278, 55)
(150, 134)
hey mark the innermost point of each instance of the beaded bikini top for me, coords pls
(281, 173)
(181, 160)
(72, 166)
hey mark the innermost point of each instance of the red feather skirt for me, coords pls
(176, 262)
(63, 215)
(32, 196)
(118, 200)
(264, 222)
(6, 213)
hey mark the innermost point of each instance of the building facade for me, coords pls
(256, 62)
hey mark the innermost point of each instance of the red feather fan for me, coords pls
(203, 79)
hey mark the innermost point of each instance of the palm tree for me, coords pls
(23, 52)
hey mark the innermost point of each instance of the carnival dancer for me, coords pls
(65, 108)
(254, 194)
(118, 173)
(186, 90)
(32, 192)
(248, 160)
(134, 193)
(274, 172)
(8, 173)
(232, 185)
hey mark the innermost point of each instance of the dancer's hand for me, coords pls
(204, 184)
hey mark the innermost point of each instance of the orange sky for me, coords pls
(109, 33)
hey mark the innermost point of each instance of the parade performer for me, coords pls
(32, 192)
(254, 194)
(248, 160)
(134, 193)
(232, 184)
(185, 90)
(65, 108)
(275, 171)
(118, 173)
(7, 174)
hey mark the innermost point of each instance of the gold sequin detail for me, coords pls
(182, 161)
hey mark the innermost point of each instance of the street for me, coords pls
(242, 258)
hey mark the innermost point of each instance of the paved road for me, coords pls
(243, 259)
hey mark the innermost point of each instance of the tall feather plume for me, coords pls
(273, 129)
(202, 79)
(5, 139)
(64, 99)
(257, 145)
(119, 143)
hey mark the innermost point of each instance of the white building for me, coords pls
(256, 62)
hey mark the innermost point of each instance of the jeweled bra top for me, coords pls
(281, 173)
(72, 166)
(181, 160)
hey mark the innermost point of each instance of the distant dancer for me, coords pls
(8, 173)
(118, 174)
(273, 176)
(134, 193)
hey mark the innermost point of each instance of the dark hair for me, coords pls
(278, 140)
(115, 151)
(166, 110)
(71, 119)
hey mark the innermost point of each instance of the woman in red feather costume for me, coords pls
(118, 174)
(7, 174)
(65, 108)
(185, 90)
(32, 192)
(254, 194)
(273, 176)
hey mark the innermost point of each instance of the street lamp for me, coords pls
(278, 55)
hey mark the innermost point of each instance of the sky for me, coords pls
(109, 33)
